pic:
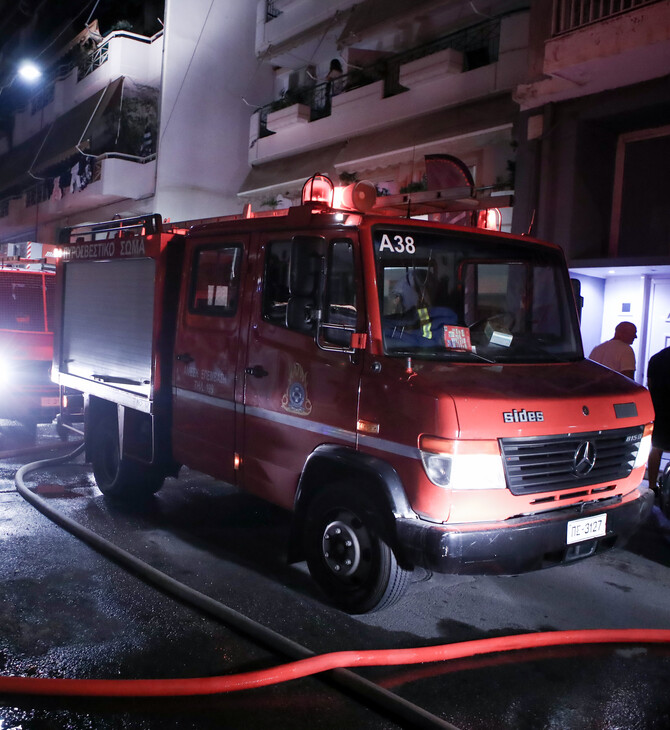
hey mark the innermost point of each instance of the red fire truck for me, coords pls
(414, 392)
(27, 393)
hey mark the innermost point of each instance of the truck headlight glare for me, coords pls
(5, 371)
(462, 464)
(643, 451)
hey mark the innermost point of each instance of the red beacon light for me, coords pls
(491, 219)
(318, 189)
(360, 196)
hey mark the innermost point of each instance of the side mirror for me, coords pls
(301, 314)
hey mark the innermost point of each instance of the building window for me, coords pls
(640, 223)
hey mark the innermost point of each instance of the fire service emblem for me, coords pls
(295, 398)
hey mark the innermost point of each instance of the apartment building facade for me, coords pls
(413, 81)
(128, 124)
(594, 146)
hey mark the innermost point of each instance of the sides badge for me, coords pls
(295, 398)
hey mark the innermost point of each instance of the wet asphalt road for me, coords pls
(66, 611)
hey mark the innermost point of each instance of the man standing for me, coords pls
(617, 353)
(658, 382)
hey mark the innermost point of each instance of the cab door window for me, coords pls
(293, 273)
(341, 304)
(296, 289)
(216, 278)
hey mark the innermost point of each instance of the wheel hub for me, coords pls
(341, 548)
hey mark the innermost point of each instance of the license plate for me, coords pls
(48, 402)
(586, 528)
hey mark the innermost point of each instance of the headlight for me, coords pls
(644, 449)
(462, 464)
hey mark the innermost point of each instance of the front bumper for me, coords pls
(30, 403)
(520, 544)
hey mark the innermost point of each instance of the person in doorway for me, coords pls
(617, 353)
(658, 382)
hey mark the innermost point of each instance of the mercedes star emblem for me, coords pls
(584, 459)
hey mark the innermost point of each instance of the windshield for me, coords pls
(459, 296)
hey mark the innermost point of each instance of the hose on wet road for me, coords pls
(305, 662)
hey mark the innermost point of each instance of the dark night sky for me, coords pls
(44, 20)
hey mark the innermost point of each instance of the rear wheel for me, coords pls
(117, 477)
(346, 554)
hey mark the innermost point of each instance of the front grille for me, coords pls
(547, 463)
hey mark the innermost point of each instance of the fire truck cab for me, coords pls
(415, 393)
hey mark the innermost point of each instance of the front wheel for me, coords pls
(116, 477)
(346, 554)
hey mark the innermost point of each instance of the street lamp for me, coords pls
(29, 71)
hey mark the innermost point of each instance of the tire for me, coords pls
(119, 478)
(63, 433)
(346, 555)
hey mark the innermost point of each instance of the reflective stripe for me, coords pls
(304, 424)
(227, 405)
(424, 319)
(392, 447)
(286, 419)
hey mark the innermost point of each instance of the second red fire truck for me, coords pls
(415, 393)
(27, 393)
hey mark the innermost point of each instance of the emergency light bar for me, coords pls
(490, 218)
(359, 196)
(318, 189)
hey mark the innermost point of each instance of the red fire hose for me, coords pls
(322, 663)
(305, 664)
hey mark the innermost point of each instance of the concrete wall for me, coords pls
(593, 293)
(209, 73)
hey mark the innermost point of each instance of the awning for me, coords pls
(278, 175)
(479, 123)
(368, 16)
(79, 127)
(86, 123)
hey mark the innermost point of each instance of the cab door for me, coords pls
(206, 351)
(297, 395)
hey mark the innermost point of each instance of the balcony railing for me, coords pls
(479, 45)
(569, 15)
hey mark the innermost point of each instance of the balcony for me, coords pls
(113, 178)
(72, 82)
(278, 22)
(482, 60)
(598, 45)
(569, 15)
